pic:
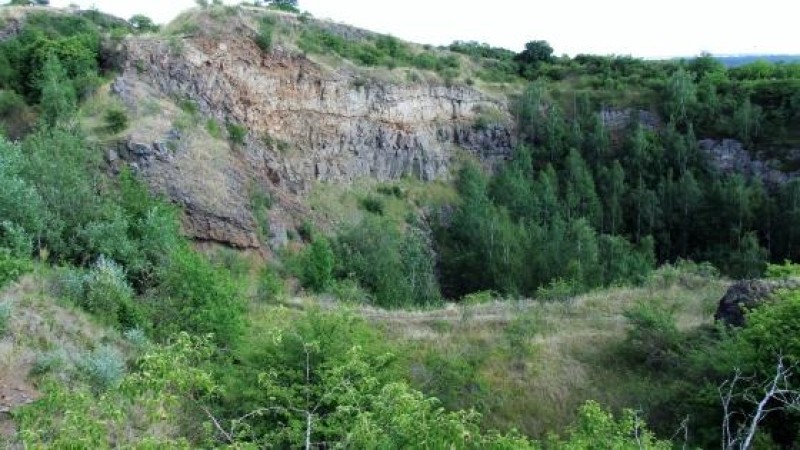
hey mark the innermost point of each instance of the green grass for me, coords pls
(399, 201)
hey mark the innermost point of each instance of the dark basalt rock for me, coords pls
(746, 295)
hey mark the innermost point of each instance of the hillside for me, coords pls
(302, 121)
(255, 229)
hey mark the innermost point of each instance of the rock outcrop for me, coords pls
(729, 156)
(746, 295)
(306, 123)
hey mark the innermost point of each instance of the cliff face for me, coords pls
(305, 122)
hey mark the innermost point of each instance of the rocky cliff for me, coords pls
(305, 123)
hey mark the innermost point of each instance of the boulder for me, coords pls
(746, 295)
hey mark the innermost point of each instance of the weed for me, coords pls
(283, 146)
(264, 37)
(375, 205)
(137, 337)
(175, 45)
(260, 203)
(49, 362)
(5, 316)
(116, 120)
(12, 267)
(103, 367)
(213, 129)
(270, 286)
(237, 134)
(140, 67)
(348, 291)
(394, 191)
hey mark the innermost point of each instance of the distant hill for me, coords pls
(740, 60)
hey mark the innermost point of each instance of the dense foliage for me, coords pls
(595, 206)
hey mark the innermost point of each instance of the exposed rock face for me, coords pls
(306, 123)
(729, 156)
(745, 295)
(617, 120)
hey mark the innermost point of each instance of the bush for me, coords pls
(136, 337)
(395, 267)
(374, 205)
(194, 296)
(116, 120)
(105, 292)
(318, 264)
(270, 286)
(349, 292)
(558, 289)
(49, 362)
(653, 339)
(264, 37)
(785, 270)
(12, 267)
(236, 133)
(213, 129)
(5, 316)
(393, 191)
(104, 368)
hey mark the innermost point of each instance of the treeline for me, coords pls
(585, 206)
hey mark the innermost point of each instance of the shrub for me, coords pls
(374, 205)
(394, 191)
(49, 362)
(318, 264)
(270, 286)
(558, 289)
(194, 296)
(5, 316)
(116, 120)
(236, 133)
(264, 37)
(136, 337)
(104, 368)
(785, 270)
(349, 292)
(260, 203)
(654, 338)
(519, 332)
(213, 129)
(12, 267)
(107, 294)
(395, 267)
(104, 291)
(487, 118)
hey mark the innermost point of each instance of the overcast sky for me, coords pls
(623, 27)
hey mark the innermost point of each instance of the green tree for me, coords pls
(318, 265)
(536, 52)
(580, 194)
(680, 97)
(747, 119)
(143, 24)
(58, 97)
(613, 191)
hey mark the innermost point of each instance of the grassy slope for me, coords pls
(528, 364)
(43, 335)
(535, 362)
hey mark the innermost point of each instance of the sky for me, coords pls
(640, 28)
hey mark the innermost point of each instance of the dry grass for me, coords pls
(41, 325)
(567, 353)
